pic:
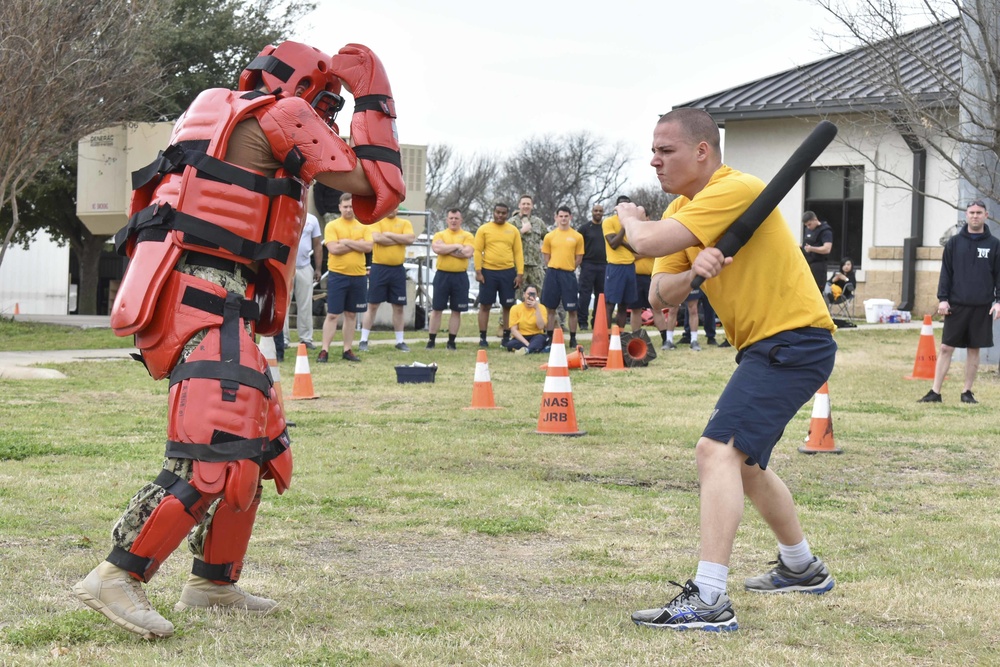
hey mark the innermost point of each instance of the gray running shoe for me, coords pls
(814, 579)
(363, 346)
(695, 347)
(669, 345)
(402, 347)
(688, 611)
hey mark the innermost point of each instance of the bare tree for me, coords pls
(67, 68)
(938, 85)
(652, 198)
(462, 183)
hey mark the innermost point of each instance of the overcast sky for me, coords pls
(483, 77)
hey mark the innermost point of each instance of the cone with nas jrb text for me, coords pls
(558, 414)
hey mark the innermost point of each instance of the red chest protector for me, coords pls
(234, 218)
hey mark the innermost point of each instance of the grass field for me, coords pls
(418, 533)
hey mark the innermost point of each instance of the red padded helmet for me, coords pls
(292, 66)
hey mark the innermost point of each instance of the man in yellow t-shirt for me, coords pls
(619, 279)
(782, 330)
(499, 259)
(562, 252)
(347, 241)
(453, 247)
(527, 324)
(387, 281)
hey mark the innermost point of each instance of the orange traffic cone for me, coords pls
(558, 416)
(599, 341)
(820, 438)
(267, 349)
(615, 360)
(302, 387)
(926, 361)
(17, 308)
(482, 386)
(575, 360)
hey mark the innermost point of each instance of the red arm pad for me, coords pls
(292, 123)
(373, 130)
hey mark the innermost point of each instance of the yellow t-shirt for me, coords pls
(450, 262)
(768, 288)
(525, 319)
(498, 247)
(644, 266)
(562, 247)
(612, 225)
(390, 255)
(352, 263)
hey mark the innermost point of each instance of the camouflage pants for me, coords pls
(533, 275)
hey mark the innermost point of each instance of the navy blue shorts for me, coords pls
(774, 379)
(619, 284)
(348, 293)
(559, 286)
(693, 296)
(496, 282)
(387, 284)
(642, 283)
(451, 290)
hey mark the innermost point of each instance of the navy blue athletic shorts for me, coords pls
(642, 283)
(499, 281)
(774, 379)
(451, 290)
(348, 293)
(559, 286)
(619, 284)
(387, 284)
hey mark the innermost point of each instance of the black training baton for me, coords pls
(795, 168)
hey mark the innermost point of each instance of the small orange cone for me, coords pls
(557, 416)
(615, 360)
(599, 341)
(926, 361)
(302, 387)
(17, 308)
(482, 386)
(267, 349)
(820, 438)
(575, 360)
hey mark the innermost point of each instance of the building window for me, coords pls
(836, 196)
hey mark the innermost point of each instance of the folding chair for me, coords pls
(841, 307)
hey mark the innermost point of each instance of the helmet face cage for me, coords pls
(328, 104)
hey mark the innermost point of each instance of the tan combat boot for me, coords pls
(202, 593)
(119, 596)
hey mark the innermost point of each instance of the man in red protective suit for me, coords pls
(214, 224)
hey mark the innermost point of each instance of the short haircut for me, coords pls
(528, 197)
(697, 124)
(347, 196)
(808, 216)
(455, 210)
(977, 202)
(564, 208)
(623, 198)
(501, 204)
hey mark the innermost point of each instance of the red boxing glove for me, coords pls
(373, 130)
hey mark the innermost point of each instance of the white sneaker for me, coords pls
(201, 593)
(119, 596)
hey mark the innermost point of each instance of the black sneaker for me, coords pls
(814, 579)
(483, 344)
(430, 345)
(711, 341)
(967, 397)
(402, 347)
(451, 346)
(688, 611)
(725, 343)
(348, 355)
(934, 397)
(323, 357)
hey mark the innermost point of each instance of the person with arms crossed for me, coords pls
(969, 298)
(499, 260)
(454, 247)
(593, 266)
(527, 324)
(307, 273)
(562, 252)
(387, 281)
(347, 241)
(215, 221)
(786, 352)
(620, 287)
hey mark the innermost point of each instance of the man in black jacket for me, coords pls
(817, 243)
(969, 296)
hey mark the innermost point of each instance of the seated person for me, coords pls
(527, 324)
(843, 282)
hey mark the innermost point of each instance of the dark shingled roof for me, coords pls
(851, 81)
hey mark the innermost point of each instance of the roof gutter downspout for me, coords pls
(912, 242)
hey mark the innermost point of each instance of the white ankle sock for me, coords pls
(796, 557)
(399, 337)
(364, 335)
(711, 580)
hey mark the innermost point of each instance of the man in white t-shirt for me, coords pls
(307, 273)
